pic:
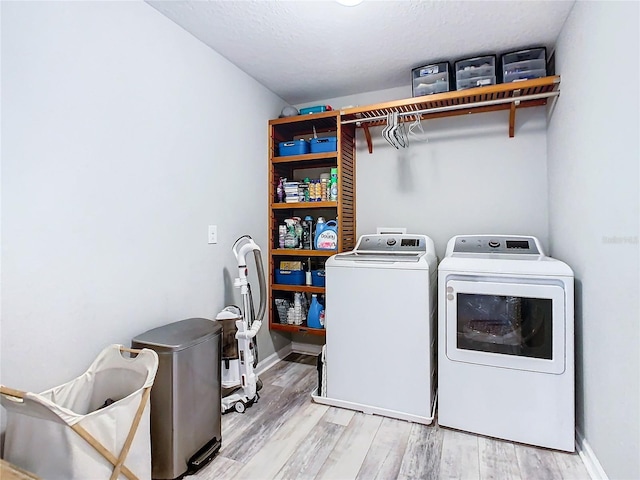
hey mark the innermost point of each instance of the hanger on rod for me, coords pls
(416, 131)
(394, 132)
(399, 132)
(388, 129)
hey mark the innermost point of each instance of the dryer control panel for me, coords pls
(514, 244)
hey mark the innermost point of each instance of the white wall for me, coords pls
(594, 214)
(123, 138)
(468, 178)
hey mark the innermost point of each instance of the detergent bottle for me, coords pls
(313, 318)
(326, 235)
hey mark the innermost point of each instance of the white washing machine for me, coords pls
(380, 322)
(506, 341)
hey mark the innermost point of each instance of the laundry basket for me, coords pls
(93, 427)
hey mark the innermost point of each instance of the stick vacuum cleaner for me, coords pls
(240, 384)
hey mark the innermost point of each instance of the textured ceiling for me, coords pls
(306, 51)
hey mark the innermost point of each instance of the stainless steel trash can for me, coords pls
(186, 397)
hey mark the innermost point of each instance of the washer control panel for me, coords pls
(391, 243)
(519, 245)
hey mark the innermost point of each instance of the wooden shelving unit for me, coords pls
(503, 96)
(343, 210)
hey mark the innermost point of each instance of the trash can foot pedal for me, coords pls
(205, 454)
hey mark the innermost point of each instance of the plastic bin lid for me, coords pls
(177, 336)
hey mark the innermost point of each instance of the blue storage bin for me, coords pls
(317, 278)
(314, 109)
(289, 277)
(325, 144)
(294, 147)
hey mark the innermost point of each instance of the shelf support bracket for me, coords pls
(367, 135)
(512, 114)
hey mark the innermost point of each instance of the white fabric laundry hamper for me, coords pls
(94, 427)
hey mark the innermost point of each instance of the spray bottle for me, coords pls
(290, 239)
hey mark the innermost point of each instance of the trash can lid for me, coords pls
(177, 335)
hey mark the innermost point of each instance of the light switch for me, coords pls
(213, 234)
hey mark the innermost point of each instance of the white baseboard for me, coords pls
(272, 359)
(306, 348)
(591, 463)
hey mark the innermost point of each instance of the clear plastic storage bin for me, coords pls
(429, 79)
(476, 82)
(475, 72)
(524, 65)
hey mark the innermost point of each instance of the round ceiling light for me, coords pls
(349, 3)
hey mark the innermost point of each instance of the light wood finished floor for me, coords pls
(288, 436)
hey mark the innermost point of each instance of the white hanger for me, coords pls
(387, 131)
(399, 133)
(392, 131)
(416, 131)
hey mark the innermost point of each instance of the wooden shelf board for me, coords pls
(305, 118)
(301, 252)
(296, 288)
(307, 157)
(458, 97)
(297, 329)
(285, 206)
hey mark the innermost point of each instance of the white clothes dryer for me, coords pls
(506, 341)
(380, 321)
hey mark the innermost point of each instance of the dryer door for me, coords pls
(510, 325)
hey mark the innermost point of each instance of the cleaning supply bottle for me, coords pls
(326, 237)
(333, 185)
(309, 220)
(318, 229)
(313, 318)
(307, 193)
(290, 238)
(306, 234)
(297, 308)
(280, 191)
(298, 231)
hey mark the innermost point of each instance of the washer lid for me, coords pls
(380, 256)
(409, 251)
